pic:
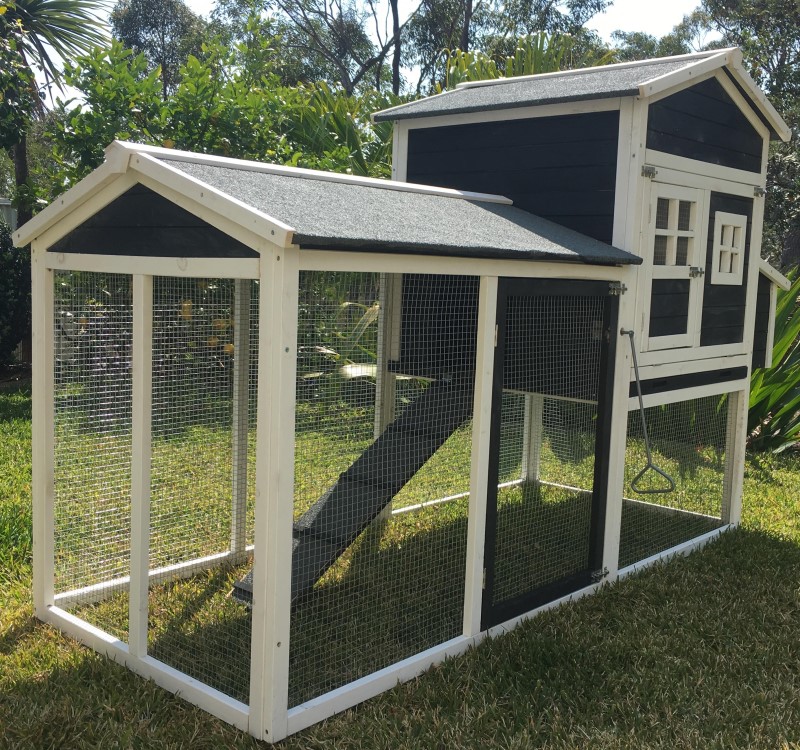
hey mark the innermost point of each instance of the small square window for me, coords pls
(730, 231)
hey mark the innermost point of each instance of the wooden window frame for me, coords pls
(737, 221)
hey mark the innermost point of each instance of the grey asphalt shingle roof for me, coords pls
(336, 215)
(594, 83)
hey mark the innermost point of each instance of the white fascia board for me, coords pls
(688, 74)
(744, 79)
(216, 201)
(775, 276)
(115, 165)
(310, 174)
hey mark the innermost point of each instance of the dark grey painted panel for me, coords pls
(669, 307)
(705, 124)
(560, 168)
(762, 323)
(724, 305)
(141, 222)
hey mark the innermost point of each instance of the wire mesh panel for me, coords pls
(199, 478)
(687, 440)
(543, 518)
(368, 590)
(93, 330)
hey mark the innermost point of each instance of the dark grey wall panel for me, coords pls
(141, 222)
(724, 305)
(669, 307)
(561, 168)
(704, 123)
(762, 323)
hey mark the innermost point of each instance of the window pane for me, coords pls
(660, 251)
(685, 216)
(682, 253)
(662, 214)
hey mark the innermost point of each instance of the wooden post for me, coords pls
(241, 414)
(532, 437)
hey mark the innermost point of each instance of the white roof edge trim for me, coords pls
(79, 193)
(584, 71)
(760, 99)
(773, 274)
(262, 224)
(310, 174)
(687, 73)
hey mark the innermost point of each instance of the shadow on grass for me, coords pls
(698, 653)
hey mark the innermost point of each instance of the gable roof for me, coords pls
(641, 78)
(322, 210)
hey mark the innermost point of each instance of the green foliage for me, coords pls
(17, 98)
(774, 415)
(15, 291)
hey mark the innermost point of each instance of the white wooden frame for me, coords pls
(734, 249)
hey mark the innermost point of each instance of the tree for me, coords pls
(39, 32)
(165, 31)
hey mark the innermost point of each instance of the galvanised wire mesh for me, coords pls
(93, 330)
(371, 590)
(199, 478)
(687, 440)
(551, 378)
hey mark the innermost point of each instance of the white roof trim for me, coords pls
(773, 117)
(79, 193)
(775, 276)
(213, 199)
(298, 172)
(688, 73)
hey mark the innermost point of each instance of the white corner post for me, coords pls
(619, 430)
(43, 478)
(272, 565)
(735, 443)
(241, 415)
(479, 462)
(141, 450)
(532, 435)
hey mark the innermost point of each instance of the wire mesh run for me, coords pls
(201, 439)
(93, 331)
(551, 377)
(371, 588)
(688, 441)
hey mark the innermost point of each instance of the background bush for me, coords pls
(15, 295)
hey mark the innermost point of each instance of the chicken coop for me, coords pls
(299, 436)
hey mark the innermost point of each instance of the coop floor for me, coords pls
(190, 618)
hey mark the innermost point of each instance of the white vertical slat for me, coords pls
(736, 437)
(479, 461)
(272, 569)
(532, 437)
(241, 413)
(141, 426)
(773, 303)
(43, 479)
(618, 435)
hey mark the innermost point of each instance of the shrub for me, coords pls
(15, 295)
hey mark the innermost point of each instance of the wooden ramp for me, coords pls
(334, 522)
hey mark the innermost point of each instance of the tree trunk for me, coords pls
(396, 55)
(464, 44)
(21, 176)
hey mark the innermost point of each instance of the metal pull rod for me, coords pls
(650, 465)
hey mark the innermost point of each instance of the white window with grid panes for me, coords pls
(730, 231)
(674, 258)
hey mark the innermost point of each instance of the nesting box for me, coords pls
(299, 435)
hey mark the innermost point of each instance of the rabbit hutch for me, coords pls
(299, 436)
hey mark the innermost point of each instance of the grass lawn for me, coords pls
(702, 652)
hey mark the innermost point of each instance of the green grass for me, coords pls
(698, 653)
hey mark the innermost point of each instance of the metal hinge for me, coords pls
(599, 575)
(759, 191)
(649, 171)
(483, 581)
(496, 331)
(616, 288)
(695, 272)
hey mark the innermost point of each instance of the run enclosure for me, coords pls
(462, 450)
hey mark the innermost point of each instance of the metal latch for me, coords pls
(696, 271)
(599, 575)
(759, 191)
(616, 288)
(649, 171)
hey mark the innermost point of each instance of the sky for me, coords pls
(656, 17)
